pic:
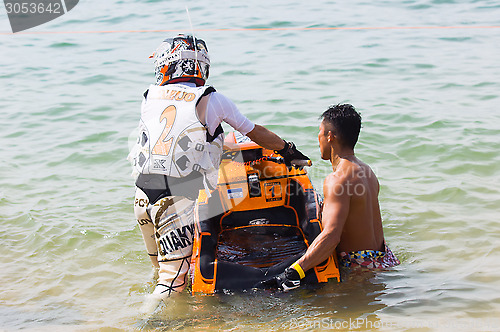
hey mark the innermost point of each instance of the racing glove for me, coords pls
(287, 280)
(290, 153)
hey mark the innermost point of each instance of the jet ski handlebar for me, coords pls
(295, 162)
(301, 162)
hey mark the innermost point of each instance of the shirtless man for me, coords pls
(351, 218)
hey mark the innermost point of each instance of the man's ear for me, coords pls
(330, 136)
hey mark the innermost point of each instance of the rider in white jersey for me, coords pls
(178, 153)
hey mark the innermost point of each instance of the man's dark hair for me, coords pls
(346, 122)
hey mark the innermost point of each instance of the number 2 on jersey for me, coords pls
(162, 146)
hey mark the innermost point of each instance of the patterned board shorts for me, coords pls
(369, 258)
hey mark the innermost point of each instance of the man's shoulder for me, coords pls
(363, 171)
(330, 178)
(341, 175)
(333, 182)
(355, 170)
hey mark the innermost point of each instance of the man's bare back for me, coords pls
(363, 226)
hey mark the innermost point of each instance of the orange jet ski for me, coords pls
(260, 219)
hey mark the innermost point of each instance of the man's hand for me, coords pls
(288, 280)
(290, 153)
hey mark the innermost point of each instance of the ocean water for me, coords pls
(424, 74)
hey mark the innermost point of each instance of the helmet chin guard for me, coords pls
(178, 60)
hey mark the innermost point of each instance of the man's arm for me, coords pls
(334, 216)
(335, 212)
(266, 138)
(215, 108)
(271, 141)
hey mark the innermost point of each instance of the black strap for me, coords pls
(157, 186)
(207, 91)
(219, 130)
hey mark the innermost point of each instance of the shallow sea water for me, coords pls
(71, 254)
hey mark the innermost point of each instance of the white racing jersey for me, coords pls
(172, 140)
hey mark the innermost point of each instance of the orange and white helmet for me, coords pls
(177, 60)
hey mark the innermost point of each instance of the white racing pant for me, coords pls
(167, 229)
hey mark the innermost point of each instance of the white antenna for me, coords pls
(196, 64)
